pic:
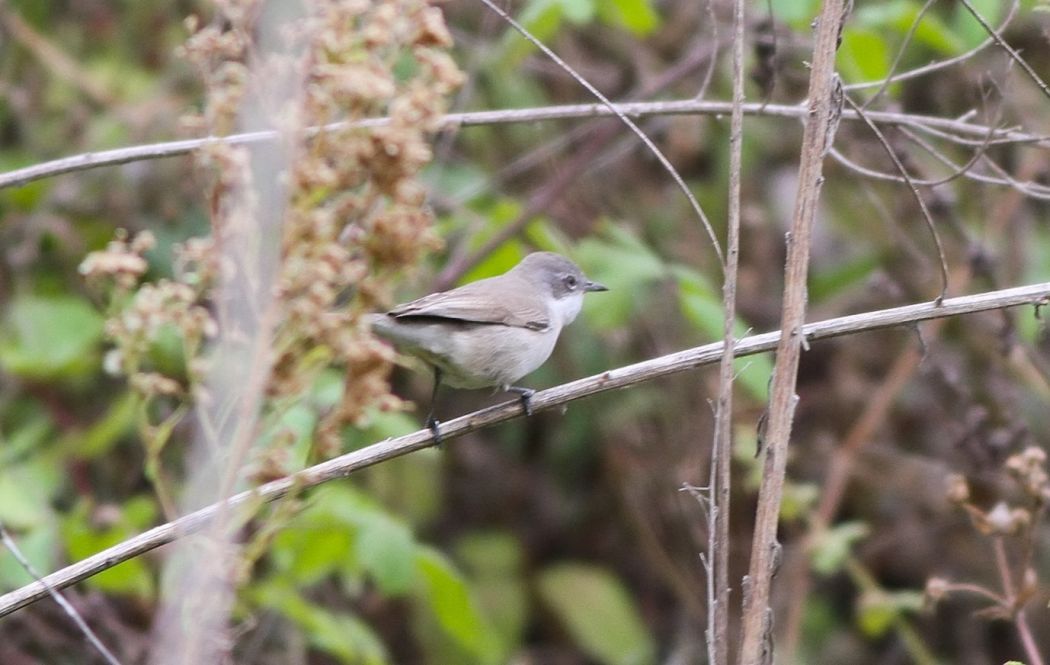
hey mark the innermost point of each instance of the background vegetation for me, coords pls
(566, 537)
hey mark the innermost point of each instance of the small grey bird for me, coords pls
(491, 332)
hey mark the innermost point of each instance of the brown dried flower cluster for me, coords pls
(144, 312)
(1028, 467)
(352, 210)
(1003, 523)
(356, 212)
(121, 261)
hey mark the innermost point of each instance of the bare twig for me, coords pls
(57, 61)
(130, 154)
(900, 52)
(584, 159)
(721, 450)
(623, 377)
(926, 216)
(1029, 188)
(68, 608)
(817, 138)
(1014, 604)
(940, 64)
(1014, 55)
(623, 118)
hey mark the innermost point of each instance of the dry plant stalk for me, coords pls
(1005, 524)
(308, 234)
(817, 138)
(353, 220)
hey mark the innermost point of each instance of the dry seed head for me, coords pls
(936, 589)
(957, 489)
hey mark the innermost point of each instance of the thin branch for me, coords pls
(623, 377)
(66, 606)
(900, 52)
(824, 109)
(1030, 188)
(666, 163)
(722, 448)
(940, 64)
(588, 157)
(926, 216)
(91, 160)
(1014, 55)
(1014, 603)
(712, 20)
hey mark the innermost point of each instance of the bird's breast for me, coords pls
(495, 355)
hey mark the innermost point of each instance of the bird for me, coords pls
(491, 332)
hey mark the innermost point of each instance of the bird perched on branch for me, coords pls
(491, 332)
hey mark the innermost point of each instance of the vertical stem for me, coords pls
(1024, 631)
(816, 139)
(1027, 639)
(721, 451)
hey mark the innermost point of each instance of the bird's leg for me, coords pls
(432, 422)
(526, 396)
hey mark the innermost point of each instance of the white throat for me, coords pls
(565, 310)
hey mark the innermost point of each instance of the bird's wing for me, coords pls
(474, 303)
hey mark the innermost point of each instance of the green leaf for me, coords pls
(29, 432)
(25, 492)
(444, 591)
(505, 257)
(458, 182)
(637, 16)
(799, 13)
(543, 18)
(839, 278)
(833, 546)
(879, 611)
(102, 435)
(701, 305)
(968, 28)
(875, 618)
(578, 11)
(385, 548)
(48, 337)
(622, 262)
(38, 546)
(599, 614)
(798, 500)
(132, 577)
(342, 635)
(899, 16)
(311, 550)
(494, 561)
(864, 55)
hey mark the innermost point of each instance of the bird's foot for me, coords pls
(525, 394)
(433, 424)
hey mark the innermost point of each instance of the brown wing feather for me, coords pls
(473, 303)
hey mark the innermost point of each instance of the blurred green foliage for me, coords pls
(564, 535)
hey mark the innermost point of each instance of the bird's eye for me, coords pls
(570, 282)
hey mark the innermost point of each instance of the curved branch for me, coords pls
(926, 216)
(623, 377)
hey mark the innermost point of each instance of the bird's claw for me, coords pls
(433, 424)
(525, 394)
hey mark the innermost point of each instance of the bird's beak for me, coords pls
(594, 286)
